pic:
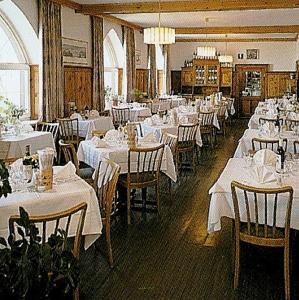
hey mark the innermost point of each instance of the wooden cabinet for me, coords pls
(226, 77)
(279, 83)
(142, 80)
(187, 76)
(78, 87)
(206, 72)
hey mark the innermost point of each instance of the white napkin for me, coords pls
(265, 157)
(262, 174)
(149, 138)
(65, 172)
(155, 119)
(293, 116)
(94, 113)
(99, 143)
(76, 116)
(270, 113)
(269, 129)
(148, 121)
(17, 165)
(111, 134)
(27, 128)
(183, 120)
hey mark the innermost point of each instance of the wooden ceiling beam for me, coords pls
(240, 30)
(189, 6)
(68, 3)
(237, 40)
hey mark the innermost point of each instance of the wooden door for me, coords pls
(142, 80)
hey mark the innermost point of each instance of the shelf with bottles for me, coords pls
(212, 76)
(200, 75)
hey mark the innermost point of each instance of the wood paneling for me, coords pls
(176, 82)
(68, 3)
(120, 81)
(237, 40)
(34, 91)
(226, 79)
(187, 76)
(142, 80)
(278, 83)
(78, 86)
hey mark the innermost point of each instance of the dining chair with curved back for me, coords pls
(263, 121)
(290, 124)
(206, 125)
(258, 144)
(262, 217)
(144, 166)
(186, 143)
(69, 131)
(105, 181)
(120, 116)
(49, 127)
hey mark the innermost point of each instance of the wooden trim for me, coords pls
(243, 29)
(188, 6)
(181, 40)
(68, 3)
(34, 91)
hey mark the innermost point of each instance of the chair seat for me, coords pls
(86, 173)
(144, 179)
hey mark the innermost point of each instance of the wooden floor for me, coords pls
(171, 256)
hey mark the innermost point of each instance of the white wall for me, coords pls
(142, 48)
(280, 55)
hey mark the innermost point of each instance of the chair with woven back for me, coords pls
(120, 116)
(105, 181)
(144, 166)
(70, 155)
(49, 127)
(258, 144)
(206, 125)
(291, 124)
(62, 220)
(262, 218)
(186, 143)
(263, 121)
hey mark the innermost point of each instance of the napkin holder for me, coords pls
(131, 129)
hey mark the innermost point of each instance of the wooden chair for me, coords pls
(120, 116)
(142, 118)
(49, 127)
(58, 217)
(221, 115)
(262, 121)
(230, 105)
(254, 211)
(98, 133)
(70, 154)
(258, 144)
(186, 143)
(144, 166)
(69, 131)
(290, 124)
(296, 147)
(105, 180)
(206, 125)
(139, 131)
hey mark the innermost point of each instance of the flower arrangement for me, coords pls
(31, 160)
(5, 187)
(9, 110)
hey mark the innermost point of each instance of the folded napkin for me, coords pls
(99, 143)
(293, 116)
(265, 157)
(76, 116)
(27, 128)
(17, 165)
(269, 129)
(94, 113)
(270, 113)
(111, 134)
(148, 121)
(149, 138)
(155, 119)
(262, 174)
(183, 120)
(65, 172)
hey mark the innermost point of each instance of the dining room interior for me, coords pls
(149, 149)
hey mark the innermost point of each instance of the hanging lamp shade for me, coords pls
(159, 35)
(225, 59)
(205, 51)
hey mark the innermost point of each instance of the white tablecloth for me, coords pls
(99, 123)
(135, 112)
(15, 146)
(160, 105)
(245, 142)
(62, 197)
(158, 130)
(88, 153)
(221, 204)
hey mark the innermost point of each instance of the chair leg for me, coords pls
(158, 196)
(128, 205)
(287, 272)
(170, 188)
(237, 263)
(143, 195)
(108, 242)
(193, 159)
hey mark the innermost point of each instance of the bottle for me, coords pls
(27, 150)
(281, 157)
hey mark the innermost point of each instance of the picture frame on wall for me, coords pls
(138, 57)
(252, 54)
(74, 52)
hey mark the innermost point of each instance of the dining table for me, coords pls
(65, 194)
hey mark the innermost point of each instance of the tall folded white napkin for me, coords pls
(149, 138)
(27, 128)
(76, 116)
(111, 134)
(270, 113)
(155, 119)
(183, 120)
(65, 172)
(99, 143)
(17, 165)
(262, 174)
(269, 129)
(148, 121)
(94, 113)
(265, 157)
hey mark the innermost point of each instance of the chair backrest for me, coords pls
(222, 110)
(120, 115)
(187, 133)
(69, 130)
(49, 127)
(290, 124)
(105, 113)
(268, 207)
(258, 144)
(62, 220)
(262, 121)
(206, 118)
(230, 103)
(170, 140)
(105, 181)
(98, 133)
(138, 129)
(145, 164)
(70, 154)
(296, 147)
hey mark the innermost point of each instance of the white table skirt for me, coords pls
(62, 197)
(221, 204)
(158, 130)
(89, 154)
(161, 105)
(135, 112)
(99, 123)
(15, 146)
(245, 142)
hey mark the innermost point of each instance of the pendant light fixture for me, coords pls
(159, 35)
(225, 59)
(205, 51)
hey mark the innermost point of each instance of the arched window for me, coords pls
(113, 61)
(14, 68)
